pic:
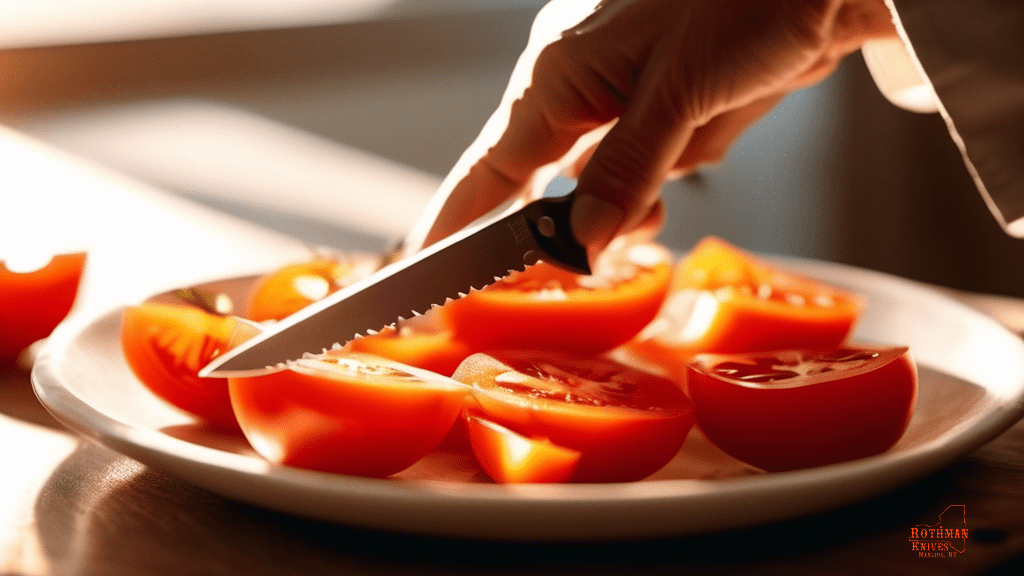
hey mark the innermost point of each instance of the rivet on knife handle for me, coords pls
(548, 220)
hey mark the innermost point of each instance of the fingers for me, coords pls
(489, 172)
(681, 95)
(652, 224)
(860, 20)
(710, 142)
(563, 102)
(621, 183)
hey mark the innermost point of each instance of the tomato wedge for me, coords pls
(723, 300)
(625, 423)
(796, 409)
(510, 458)
(424, 342)
(295, 286)
(33, 303)
(548, 308)
(166, 345)
(350, 414)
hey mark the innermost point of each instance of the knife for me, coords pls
(448, 269)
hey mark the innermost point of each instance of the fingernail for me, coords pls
(595, 222)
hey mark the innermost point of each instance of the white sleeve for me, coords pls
(965, 59)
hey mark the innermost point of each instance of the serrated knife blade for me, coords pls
(448, 269)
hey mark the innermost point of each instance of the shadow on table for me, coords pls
(100, 510)
(18, 400)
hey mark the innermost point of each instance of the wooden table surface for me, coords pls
(68, 506)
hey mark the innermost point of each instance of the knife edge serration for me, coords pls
(434, 305)
(441, 273)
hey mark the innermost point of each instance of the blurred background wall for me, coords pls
(835, 172)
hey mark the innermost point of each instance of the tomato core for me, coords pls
(785, 367)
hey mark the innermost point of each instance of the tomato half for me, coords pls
(548, 308)
(511, 458)
(797, 409)
(167, 344)
(723, 300)
(33, 303)
(626, 423)
(293, 287)
(356, 414)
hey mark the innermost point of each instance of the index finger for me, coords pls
(550, 103)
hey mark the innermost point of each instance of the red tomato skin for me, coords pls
(33, 304)
(618, 444)
(511, 458)
(145, 333)
(586, 322)
(788, 428)
(549, 326)
(310, 420)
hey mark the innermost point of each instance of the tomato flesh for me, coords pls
(166, 345)
(626, 424)
(724, 300)
(548, 308)
(797, 409)
(33, 303)
(511, 458)
(349, 414)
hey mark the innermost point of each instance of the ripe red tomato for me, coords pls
(796, 409)
(167, 344)
(626, 424)
(511, 458)
(356, 414)
(293, 287)
(33, 303)
(723, 300)
(548, 308)
(424, 342)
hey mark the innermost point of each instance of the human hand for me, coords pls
(629, 92)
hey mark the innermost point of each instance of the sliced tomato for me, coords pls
(32, 303)
(723, 300)
(293, 287)
(166, 345)
(796, 409)
(355, 414)
(425, 342)
(548, 308)
(511, 458)
(626, 423)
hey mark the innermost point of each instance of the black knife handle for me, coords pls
(548, 219)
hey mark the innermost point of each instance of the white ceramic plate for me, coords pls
(972, 388)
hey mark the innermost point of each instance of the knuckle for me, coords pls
(575, 94)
